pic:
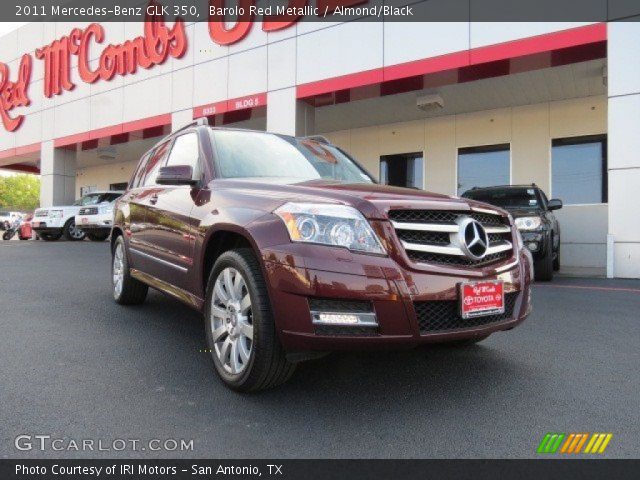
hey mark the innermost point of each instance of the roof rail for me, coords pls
(318, 138)
(202, 121)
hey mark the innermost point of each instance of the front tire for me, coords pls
(240, 328)
(8, 235)
(556, 261)
(98, 237)
(72, 232)
(126, 289)
(543, 267)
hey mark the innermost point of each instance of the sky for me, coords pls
(6, 27)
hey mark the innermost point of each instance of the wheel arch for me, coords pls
(223, 238)
(115, 233)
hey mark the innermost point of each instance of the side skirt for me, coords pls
(164, 287)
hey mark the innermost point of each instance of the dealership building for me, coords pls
(439, 106)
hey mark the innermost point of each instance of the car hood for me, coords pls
(372, 200)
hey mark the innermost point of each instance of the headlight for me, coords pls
(336, 225)
(528, 223)
(106, 210)
(55, 213)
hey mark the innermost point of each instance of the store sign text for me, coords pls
(154, 47)
(224, 34)
(14, 93)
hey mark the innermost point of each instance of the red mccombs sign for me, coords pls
(153, 48)
(14, 94)
(157, 43)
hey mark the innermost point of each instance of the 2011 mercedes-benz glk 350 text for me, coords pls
(290, 249)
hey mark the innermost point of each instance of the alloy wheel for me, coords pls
(232, 321)
(118, 270)
(75, 232)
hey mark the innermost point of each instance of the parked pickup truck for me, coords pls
(53, 222)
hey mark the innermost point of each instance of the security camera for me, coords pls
(430, 102)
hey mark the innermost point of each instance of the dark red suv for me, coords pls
(291, 250)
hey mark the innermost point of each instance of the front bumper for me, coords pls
(47, 225)
(398, 297)
(539, 239)
(95, 223)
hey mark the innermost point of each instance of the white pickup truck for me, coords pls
(53, 222)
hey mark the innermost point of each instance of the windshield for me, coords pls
(264, 155)
(96, 198)
(507, 198)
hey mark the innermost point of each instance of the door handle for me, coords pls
(154, 199)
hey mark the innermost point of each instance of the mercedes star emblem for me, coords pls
(472, 238)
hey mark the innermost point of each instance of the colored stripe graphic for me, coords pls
(574, 442)
(598, 443)
(550, 442)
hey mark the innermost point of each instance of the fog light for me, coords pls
(533, 246)
(347, 319)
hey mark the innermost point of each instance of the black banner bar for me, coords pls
(323, 10)
(319, 469)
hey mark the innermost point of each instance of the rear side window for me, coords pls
(185, 151)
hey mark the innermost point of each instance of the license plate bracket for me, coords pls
(481, 298)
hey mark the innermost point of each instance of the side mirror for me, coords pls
(176, 175)
(554, 204)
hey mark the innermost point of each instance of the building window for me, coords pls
(483, 167)
(122, 186)
(402, 170)
(579, 169)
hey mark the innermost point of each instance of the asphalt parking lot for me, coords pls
(76, 365)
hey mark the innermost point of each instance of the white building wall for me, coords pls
(624, 145)
(101, 176)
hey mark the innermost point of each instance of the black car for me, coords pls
(535, 220)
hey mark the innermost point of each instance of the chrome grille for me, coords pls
(430, 236)
(445, 217)
(88, 211)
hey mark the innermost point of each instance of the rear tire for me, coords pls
(49, 237)
(126, 289)
(8, 235)
(240, 327)
(71, 232)
(98, 237)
